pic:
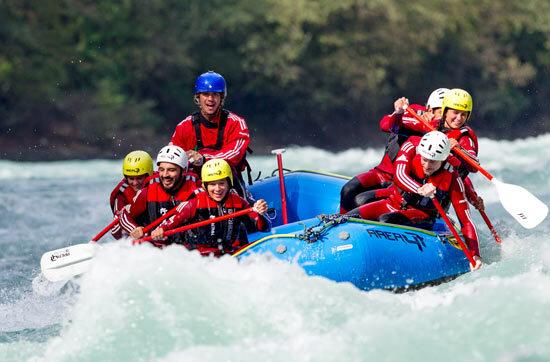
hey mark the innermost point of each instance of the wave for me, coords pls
(526, 155)
(174, 305)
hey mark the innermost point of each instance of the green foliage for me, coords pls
(113, 74)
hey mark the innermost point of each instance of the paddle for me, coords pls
(104, 231)
(67, 262)
(490, 226)
(517, 201)
(279, 152)
(453, 230)
(197, 225)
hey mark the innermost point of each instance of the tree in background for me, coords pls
(96, 78)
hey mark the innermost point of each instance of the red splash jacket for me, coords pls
(226, 137)
(121, 196)
(408, 177)
(153, 201)
(221, 237)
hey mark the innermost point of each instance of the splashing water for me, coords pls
(140, 303)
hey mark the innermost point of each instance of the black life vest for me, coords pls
(159, 201)
(442, 179)
(225, 235)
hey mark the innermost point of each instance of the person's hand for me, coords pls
(260, 206)
(427, 190)
(478, 203)
(478, 265)
(428, 116)
(195, 158)
(158, 233)
(137, 232)
(453, 142)
(400, 105)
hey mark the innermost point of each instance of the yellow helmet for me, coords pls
(458, 99)
(137, 163)
(216, 169)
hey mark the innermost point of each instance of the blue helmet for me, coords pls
(210, 82)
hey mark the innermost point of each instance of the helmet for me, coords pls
(434, 146)
(435, 100)
(173, 154)
(137, 163)
(458, 99)
(216, 169)
(210, 82)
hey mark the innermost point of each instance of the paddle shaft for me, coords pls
(159, 220)
(453, 230)
(145, 229)
(282, 187)
(464, 155)
(197, 224)
(104, 231)
(490, 226)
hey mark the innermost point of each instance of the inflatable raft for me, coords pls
(344, 249)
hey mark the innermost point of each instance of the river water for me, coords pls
(143, 304)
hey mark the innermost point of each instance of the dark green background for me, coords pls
(81, 79)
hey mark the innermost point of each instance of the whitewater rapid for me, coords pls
(143, 304)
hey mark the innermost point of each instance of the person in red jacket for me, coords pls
(456, 111)
(400, 125)
(218, 199)
(423, 170)
(214, 132)
(173, 186)
(136, 167)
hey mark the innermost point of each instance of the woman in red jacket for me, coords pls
(217, 199)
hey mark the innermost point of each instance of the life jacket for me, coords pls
(243, 164)
(442, 179)
(457, 134)
(221, 237)
(159, 201)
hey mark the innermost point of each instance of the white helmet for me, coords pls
(434, 146)
(173, 154)
(435, 100)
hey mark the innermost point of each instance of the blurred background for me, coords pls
(96, 79)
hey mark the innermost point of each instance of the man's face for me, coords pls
(169, 174)
(210, 103)
(455, 119)
(217, 189)
(430, 166)
(136, 182)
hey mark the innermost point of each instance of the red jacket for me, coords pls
(234, 141)
(121, 196)
(221, 237)
(467, 140)
(153, 201)
(400, 127)
(409, 176)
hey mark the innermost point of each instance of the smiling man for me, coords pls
(217, 199)
(173, 186)
(213, 132)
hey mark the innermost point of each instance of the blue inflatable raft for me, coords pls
(366, 253)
